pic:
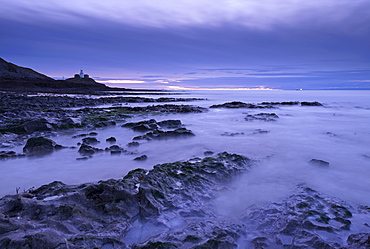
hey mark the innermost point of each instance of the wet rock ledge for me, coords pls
(171, 206)
(26, 114)
(125, 212)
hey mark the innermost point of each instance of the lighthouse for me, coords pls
(81, 75)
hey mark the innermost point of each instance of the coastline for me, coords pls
(167, 202)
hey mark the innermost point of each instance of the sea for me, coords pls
(337, 132)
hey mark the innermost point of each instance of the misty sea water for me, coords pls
(337, 132)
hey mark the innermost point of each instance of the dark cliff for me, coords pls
(13, 77)
(10, 71)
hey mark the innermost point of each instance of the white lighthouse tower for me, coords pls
(81, 74)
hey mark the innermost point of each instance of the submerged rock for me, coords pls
(319, 162)
(208, 153)
(39, 146)
(260, 131)
(232, 134)
(133, 144)
(141, 158)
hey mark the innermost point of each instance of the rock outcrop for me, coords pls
(171, 206)
(315, 103)
(268, 117)
(287, 103)
(26, 114)
(132, 212)
(152, 124)
(239, 104)
(156, 129)
(37, 146)
(305, 219)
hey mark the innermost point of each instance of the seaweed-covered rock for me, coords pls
(70, 122)
(170, 124)
(281, 103)
(315, 103)
(268, 117)
(166, 206)
(238, 104)
(158, 134)
(39, 146)
(146, 125)
(41, 124)
(115, 150)
(88, 150)
(111, 139)
(301, 219)
(360, 240)
(133, 144)
(90, 140)
(171, 206)
(260, 131)
(152, 125)
(10, 154)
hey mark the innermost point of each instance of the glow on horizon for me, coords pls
(260, 88)
(151, 86)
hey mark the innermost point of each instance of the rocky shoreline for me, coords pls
(169, 206)
(27, 115)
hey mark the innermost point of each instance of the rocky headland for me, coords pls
(16, 78)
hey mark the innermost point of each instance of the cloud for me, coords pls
(254, 14)
(225, 43)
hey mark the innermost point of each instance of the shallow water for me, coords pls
(338, 133)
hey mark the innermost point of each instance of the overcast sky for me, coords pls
(285, 44)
